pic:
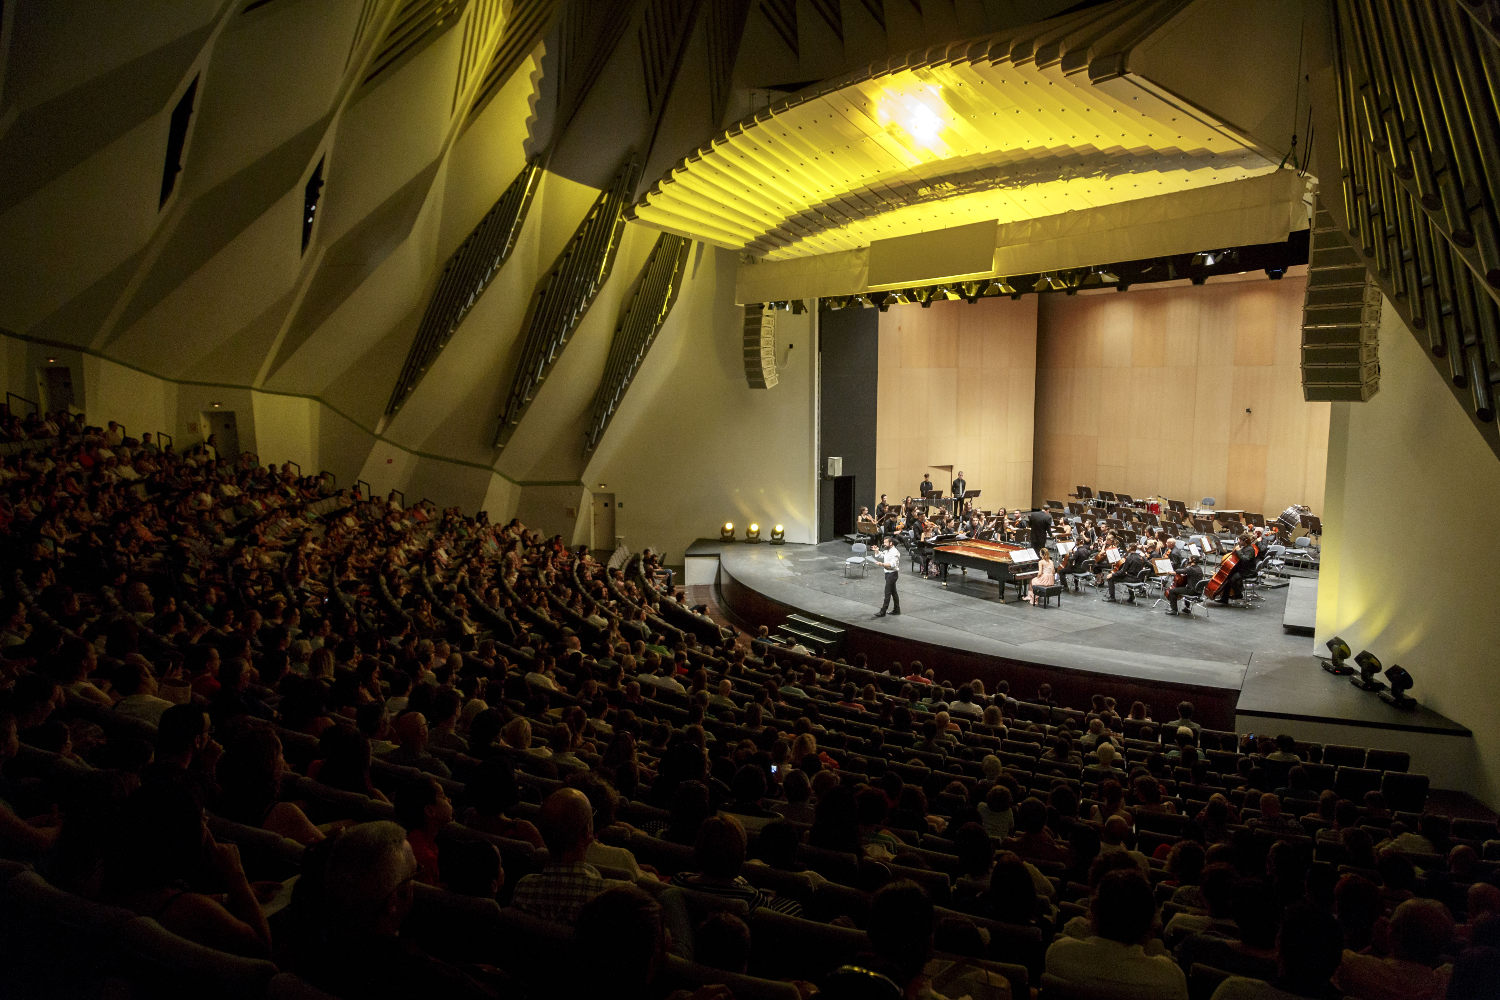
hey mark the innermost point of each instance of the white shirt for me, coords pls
(889, 559)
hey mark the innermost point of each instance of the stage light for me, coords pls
(1369, 669)
(778, 535)
(1004, 287)
(880, 300)
(752, 533)
(1400, 684)
(726, 533)
(1340, 651)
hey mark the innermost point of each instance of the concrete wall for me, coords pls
(1410, 521)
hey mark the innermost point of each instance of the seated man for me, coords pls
(566, 883)
(1308, 949)
(1420, 931)
(1135, 562)
(367, 894)
(719, 853)
(1113, 960)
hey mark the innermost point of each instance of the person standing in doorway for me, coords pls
(890, 561)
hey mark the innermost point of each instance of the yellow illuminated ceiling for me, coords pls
(1032, 123)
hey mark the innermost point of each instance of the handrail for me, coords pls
(325, 474)
(35, 406)
(163, 436)
(398, 493)
(363, 489)
(294, 465)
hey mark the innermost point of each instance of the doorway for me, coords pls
(603, 530)
(55, 383)
(221, 424)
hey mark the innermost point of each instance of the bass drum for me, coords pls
(1291, 519)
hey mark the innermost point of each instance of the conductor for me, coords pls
(1040, 523)
(890, 561)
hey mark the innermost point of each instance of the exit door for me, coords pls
(603, 536)
(56, 388)
(221, 424)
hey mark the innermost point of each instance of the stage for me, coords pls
(1238, 664)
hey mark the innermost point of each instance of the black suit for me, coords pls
(1134, 563)
(959, 486)
(926, 487)
(1040, 523)
(1191, 576)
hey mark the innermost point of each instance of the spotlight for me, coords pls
(752, 533)
(1369, 669)
(1340, 651)
(1004, 287)
(1400, 684)
(880, 300)
(726, 533)
(778, 535)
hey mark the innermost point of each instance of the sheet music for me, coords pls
(1163, 566)
(1063, 548)
(1113, 555)
(1194, 550)
(1024, 555)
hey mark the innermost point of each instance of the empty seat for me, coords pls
(1387, 760)
(1353, 782)
(1402, 790)
(1342, 756)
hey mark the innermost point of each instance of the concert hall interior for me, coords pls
(630, 270)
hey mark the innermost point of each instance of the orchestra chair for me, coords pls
(856, 560)
(1137, 586)
(1195, 598)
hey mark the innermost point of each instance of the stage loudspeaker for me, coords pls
(835, 466)
(760, 346)
(1340, 320)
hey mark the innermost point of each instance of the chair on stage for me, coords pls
(1195, 597)
(856, 560)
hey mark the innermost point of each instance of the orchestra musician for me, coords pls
(927, 484)
(865, 517)
(1248, 554)
(1129, 568)
(959, 486)
(1183, 583)
(1179, 557)
(1077, 563)
(1089, 533)
(882, 508)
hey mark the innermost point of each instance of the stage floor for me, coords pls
(1083, 632)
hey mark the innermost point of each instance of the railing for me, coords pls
(398, 496)
(164, 440)
(466, 275)
(563, 295)
(35, 406)
(640, 321)
(363, 490)
(1419, 154)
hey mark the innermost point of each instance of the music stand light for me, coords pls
(1340, 651)
(1369, 669)
(1400, 684)
(726, 533)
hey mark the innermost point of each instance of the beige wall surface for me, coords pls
(957, 387)
(1185, 392)
(1410, 458)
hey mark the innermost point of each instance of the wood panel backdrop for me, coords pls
(957, 387)
(1184, 392)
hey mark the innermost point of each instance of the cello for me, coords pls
(1222, 576)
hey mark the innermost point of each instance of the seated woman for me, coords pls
(250, 775)
(162, 844)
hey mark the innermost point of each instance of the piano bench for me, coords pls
(1045, 594)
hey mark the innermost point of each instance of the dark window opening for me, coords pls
(310, 196)
(176, 140)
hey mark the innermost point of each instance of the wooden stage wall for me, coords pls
(1188, 392)
(957, 386)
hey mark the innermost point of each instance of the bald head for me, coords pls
(567, 822)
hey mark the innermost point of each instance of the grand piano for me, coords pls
(994, 559)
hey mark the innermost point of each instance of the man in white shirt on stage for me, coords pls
(890, 561)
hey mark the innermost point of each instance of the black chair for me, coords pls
(1353, 782)
(1387, 760)
(1403, 791)
(1342, 756)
